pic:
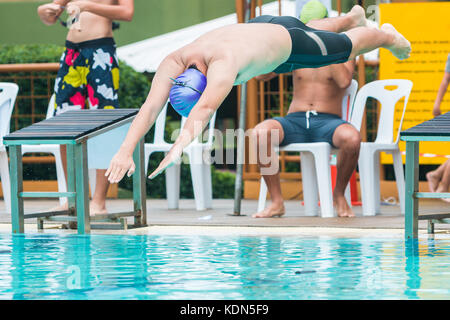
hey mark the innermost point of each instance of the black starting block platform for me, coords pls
(73, 129)
(436, 129)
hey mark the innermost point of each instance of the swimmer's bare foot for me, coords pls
(63, 207)
(342, 207)
(433, 180)
(274, 210)
(401, 47)
(95, 208)
(358, 16)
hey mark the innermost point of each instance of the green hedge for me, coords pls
(133, 90)
(133, 87)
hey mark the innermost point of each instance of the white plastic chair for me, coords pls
(52, 149)
(200, 169)
(315, 167)
(386, 141)
(8, 94)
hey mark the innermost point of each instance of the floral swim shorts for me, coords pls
(88, 73)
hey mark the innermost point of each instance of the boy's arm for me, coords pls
(221, 77)
(440, 95)
(122, 162)
(342, 73)
(123, 10)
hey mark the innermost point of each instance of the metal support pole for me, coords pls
(241, 136)
(139, 185)
(16, 173)
(82, 187)
(240, 158)
(412, 185)
(71, 176)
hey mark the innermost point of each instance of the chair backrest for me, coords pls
(8, 94)
(388, 99)
(51, 107)
(160, 125)
(348, 100)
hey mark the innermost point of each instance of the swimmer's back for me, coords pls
(255, 48)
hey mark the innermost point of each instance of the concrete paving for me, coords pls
(220, 215)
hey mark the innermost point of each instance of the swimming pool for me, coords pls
(53, 266)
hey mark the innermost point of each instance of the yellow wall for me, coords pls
(427, 26)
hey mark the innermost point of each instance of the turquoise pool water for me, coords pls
(52, 266)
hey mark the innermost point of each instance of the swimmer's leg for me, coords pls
(354, 18)
(366, 39)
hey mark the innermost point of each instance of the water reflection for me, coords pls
(190, 267)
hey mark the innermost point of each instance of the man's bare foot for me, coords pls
(401, 47)
(433, 180)
(342, 207)
(95, 209)
(274, 210)
(358, 16)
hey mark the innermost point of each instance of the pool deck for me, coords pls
(160, 219)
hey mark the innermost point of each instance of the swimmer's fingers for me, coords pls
(109, 170)
(162, 166)
(131, 170)
(119, 165)
(167, 162)
(118, 175)
(170, 159)
(113, 173)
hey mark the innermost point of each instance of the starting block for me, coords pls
(74, 129)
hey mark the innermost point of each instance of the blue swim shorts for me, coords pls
(305, 127)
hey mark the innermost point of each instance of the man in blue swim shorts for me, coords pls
(314, 116)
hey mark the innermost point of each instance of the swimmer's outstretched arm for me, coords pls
(221, 76)
(122, 162)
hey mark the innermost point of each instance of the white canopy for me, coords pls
(146, 55)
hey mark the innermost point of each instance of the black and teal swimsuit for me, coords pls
(311, 48)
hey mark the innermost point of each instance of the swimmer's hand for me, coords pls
(120, 164)
(169, 160)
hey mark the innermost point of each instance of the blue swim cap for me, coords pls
(186, 90)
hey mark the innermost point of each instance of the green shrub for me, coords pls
(133, 87)
(30, 53)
